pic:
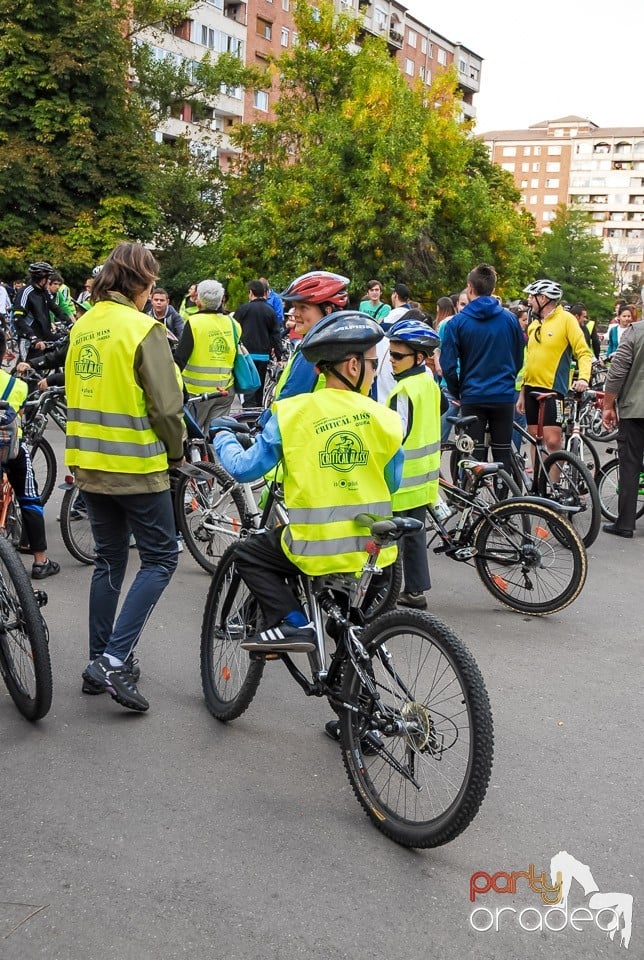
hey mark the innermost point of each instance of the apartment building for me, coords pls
(256, 29)
(597, 169)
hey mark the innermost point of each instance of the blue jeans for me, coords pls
(150, 517)
(452, 411)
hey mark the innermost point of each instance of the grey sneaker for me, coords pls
(118, 683)
(416, 600)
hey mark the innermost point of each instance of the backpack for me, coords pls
(9, 427)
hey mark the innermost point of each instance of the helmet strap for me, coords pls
(355, 387)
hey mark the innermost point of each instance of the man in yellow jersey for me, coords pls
(554, 339)
(342, 457)
(124, 431)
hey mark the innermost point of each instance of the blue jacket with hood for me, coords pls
(482, 353)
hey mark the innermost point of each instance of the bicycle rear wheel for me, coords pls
(608, 488)
(75, 527)
(24, 649)
(568, 481)
(210, 512)
(229, 677)
(529, 557)
(425, 777)
(43, 461)
(583, 449)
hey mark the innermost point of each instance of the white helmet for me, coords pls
(545, 288)
(97, 270)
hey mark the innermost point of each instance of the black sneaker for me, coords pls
(40, 571)
(283, 638)
(416, 600)
(118, 683)
(92, 688)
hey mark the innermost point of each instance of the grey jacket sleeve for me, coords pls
(621, 363)
(157, 376)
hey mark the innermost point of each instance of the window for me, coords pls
(553, 167)
(555, 151)
(216, 3)
(380, 18)
(423, 45)
(536, 167)
(552, 183)
(508, 166)
(462, 66)
(264, 28)
(534, 198)
(412, 38)
(534, 183)
(551, 199)
(442, 56)
(260, 100)
(409, 67)
(286, 5)
(421, 73)
(548, 215)
(284, 37)
(537, 151)
(525, 167)
(526, 151)
(509, 151)
(524, 184)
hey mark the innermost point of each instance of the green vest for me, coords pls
(107, 418)
(422, 445)
(210, 365)
(336, 445)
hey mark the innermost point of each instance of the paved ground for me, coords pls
(168, 835)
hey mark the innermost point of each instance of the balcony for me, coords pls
(236, 10)
(395, 38)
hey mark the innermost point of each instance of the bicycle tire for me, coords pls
(25, 663)
(401, 644)
(483, 486)
(523, 546)
(595, 429)
(574, 487)
(229, 678)
(608, 487)
(583, 449)
(43, 461)
(210, 514)
(12, 530)
(76, 531)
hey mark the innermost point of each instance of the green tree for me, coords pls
(358, 174)
(573, 257)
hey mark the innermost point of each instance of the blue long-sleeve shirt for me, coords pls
(266, 453)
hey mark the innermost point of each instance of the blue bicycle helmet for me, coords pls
(415, 334)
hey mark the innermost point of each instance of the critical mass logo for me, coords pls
(89, 363)
(343, 452)
(218, 344)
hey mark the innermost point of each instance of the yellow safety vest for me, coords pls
(422, 445)
(17, 394)
(281, 383)
(210, 365)
(107, 417)
(336, 445)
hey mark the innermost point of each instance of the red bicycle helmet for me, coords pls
(318, 286)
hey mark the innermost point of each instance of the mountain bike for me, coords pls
(608, 487)
(495, 485)
(560, 477)
(416, 729)
(38, 409)
(25, 664)
(524, 549)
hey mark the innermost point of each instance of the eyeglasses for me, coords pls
(400, 356)
(373, 361)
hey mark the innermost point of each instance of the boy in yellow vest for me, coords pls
(417, 400)
(341, 455)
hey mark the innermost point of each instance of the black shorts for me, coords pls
(553, 413)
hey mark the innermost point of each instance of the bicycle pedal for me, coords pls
(41, 598)
(257, 655)
(465, 553)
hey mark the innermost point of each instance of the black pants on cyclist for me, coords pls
(264, 568)
(21, 477)
(414, 554)
(498, 419)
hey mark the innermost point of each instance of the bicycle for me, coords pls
(525, 552)
(560, 477)
(37, 410)
(575, 435)
(416, 730)
(496, 485)
(608, 487)
(25, 663)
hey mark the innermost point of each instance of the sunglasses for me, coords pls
(400, 356)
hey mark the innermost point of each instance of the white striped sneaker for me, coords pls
(284, 638)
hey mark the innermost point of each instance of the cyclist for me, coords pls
(342, 456)
(21, 477)
(416, 399)
(554, 337)
(32, 310)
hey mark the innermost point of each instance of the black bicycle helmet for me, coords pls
(341, 335)
(40, 269)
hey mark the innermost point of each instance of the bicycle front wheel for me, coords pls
(210, 512)
(75, 527)
(43, 461)
(228, 676)
(24, 649)
(608, 487)
(418, 751)
(569, 482)
(529, 557)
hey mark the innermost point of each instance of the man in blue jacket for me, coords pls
(488, 343)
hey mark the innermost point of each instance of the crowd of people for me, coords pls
(360, 411)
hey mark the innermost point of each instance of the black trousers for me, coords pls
(255, 399)
(630, 449)
(264, 567)
(499, 419)
(414, 554)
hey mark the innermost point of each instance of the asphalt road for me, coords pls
(170, 835)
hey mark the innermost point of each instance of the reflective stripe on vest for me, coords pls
(419, 484)
(336, 446)
(100, 418)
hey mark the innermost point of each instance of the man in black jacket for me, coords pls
(31, 311)
(261, 335)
